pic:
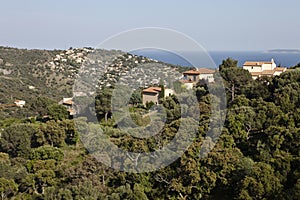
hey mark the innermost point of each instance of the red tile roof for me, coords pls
(152, 89)
(192, 72)
(199, 71)
(206, 71)
(69, 102)
(18, 101)
(282, 69)
(255, 73)
(267, 72)
(255, 63)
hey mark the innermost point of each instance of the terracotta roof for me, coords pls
(280, 69)
(199, 71)
(255, 73)
(206, 71)
(267, 72)
(18, 101)
(255, 63)
(152, 89)
(192, 72)
(69, 102)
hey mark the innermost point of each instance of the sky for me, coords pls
(218, 25)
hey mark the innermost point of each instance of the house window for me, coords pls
(252, 67)
(194, 78)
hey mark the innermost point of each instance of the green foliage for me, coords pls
(51, 133)
(40, 105)
(47, 152)
(136, 97)
(103, 103)
(256, 156)
(162, 92)
(57, 112)
(16, 140)
(149, 105)
(72, 136)
(8, 188)
(260, 183)
(178, 88)
(296, 66)
(236, 79)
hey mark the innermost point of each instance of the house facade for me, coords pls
(187, 84)
(152, 94)
(261, 68)
(207, 74)
(191, 77)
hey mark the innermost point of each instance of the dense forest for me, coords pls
(256, 157)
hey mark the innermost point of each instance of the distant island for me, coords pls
(295, 51)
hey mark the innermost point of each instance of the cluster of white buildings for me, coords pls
(263, 68)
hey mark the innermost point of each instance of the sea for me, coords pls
(283, 58)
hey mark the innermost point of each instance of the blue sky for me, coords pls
(216, 24)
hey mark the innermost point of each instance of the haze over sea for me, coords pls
(284, 58)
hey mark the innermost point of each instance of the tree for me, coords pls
(259, 88)
(8, 188)
(72, 136)
(103, 103)
(51, 133)
(47, 152)
(178, 87)
(40, 105)
(16, 140)
(58, 112)
(136, 97)
(259, 184)
(296, 66)
(162, 92)
(236, 79)
(149, 105)
(228, 63)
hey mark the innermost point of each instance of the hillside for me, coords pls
(256, 153)
(29, 74)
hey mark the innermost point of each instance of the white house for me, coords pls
(206, 74)
(20, 103)
(263, 68)
(191, 77)
(187, 84)
(31, 87)
(198, 74)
